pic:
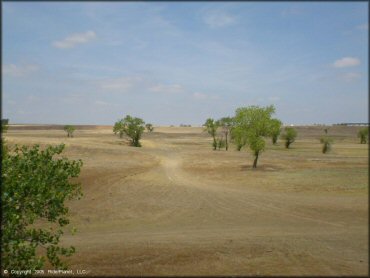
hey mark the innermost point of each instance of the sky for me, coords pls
(183, 62)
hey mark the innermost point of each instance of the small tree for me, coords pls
(289, 136)
(149, 127)
(363, 134)
(220, 143)
(119, 128)
(239, 137)
(69, 129)
(211, 127)
(327, 142)
(35, 186)
(254, 123)
(275, 129)
(134, 128)
(226, 124)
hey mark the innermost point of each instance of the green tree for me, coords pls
(289, 136)
(211, 127)
(254, 123)
(134, 128)
(275, 130)
(327, 142)
(226, 123)
(35, 185)
(363, 134)
(69, 129)
(149, 127)
(119, 128)
(238, 137)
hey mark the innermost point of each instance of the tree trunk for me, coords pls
(214, 144)
(255, 159)
(274, 140)
(226, 144)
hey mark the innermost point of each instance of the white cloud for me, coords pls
(19, 70)
(363, 26)
(75, 39)
(217, 18)
(161, 88)
(346, 62)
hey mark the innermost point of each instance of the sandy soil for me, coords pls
(175, 207)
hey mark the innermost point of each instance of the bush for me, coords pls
(327, 142)
(289, 136)
(363, 134)
(69, 129)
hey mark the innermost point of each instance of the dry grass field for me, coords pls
(175, 207)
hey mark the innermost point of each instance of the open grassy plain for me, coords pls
(175, 207)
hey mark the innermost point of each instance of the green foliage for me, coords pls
(35, 185)
(253, 123)
(149, 127)
(289, 136)
(327, 142)
(4, 129)
(363, 134)
(211, 127)
(275, 129)
(69, 129)
(119, 128)
(239, 137)
(220, 143)
(226, 123)
(133, 128)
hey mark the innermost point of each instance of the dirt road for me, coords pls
(175, 207)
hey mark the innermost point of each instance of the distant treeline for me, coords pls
(352, 124)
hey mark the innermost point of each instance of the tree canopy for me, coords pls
(363, 134)
(69, 129)
(275, 130)
(35, 185)
(119, 128)
(149, 127)
(133, 127)
(253, 123)
(211, 127)
(289, 136)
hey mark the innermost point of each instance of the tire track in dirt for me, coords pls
(227, 203)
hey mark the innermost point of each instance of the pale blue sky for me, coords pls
(182, 62)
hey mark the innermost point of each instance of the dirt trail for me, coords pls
(274, 204)
(145, 213)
